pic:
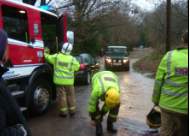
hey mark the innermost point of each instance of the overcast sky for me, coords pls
(146, 5)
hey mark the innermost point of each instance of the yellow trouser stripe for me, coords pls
(113, 116)
(72, 108)
(63, 109)
(98, 117)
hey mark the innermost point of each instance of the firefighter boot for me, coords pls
(99, 130)
(63, 115)
(110, 127)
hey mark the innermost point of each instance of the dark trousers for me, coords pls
(173, 124)
(100, 112)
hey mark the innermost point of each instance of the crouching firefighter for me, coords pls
(105, 89)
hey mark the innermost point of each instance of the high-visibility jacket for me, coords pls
(101, 81)
(64, 67)
(171, 84)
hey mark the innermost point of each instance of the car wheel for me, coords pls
(40, 97)
(87, 79)
(128, 67)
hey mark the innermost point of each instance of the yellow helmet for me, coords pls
(112, 98)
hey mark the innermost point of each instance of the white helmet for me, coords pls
(67, 48)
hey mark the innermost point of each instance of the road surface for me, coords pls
(136, 91)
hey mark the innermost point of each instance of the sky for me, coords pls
(147, 5)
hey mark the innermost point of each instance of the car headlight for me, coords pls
(108, 60)
(125, 60)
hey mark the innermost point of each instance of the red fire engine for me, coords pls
(30, 29)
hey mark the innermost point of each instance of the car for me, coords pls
(88, 66)
(141, 46)
(117, 57)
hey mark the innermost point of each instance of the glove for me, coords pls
(93, 116)
(157, 109)
(92, 123)
(96, 117)
(21, 127)
(46, 50)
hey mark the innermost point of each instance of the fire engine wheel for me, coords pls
(41, 96)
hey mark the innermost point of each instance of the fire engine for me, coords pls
(30, 29)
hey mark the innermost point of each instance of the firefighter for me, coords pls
(105, 90)
(171, 91)
(64, 67)
(12, 121)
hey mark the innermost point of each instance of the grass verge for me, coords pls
(149, 63)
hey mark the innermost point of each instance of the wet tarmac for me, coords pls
(136, 91)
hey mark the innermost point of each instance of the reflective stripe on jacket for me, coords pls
(171, 84)
(101, 81)
(64, 67)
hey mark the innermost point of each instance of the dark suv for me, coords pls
(117, 57)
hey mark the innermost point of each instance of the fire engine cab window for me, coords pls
(49, 32)
(15, 23)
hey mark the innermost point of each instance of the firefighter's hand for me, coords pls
(46, 50)
(157, 108)
(92, 123)
(93, 116)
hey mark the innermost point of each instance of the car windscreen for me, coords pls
(86, 59)
(116, 51)
(78, 58)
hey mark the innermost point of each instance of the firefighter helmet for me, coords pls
(112, 97)
(153, 119)
(67, 48)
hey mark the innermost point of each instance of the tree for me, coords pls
(155, 24)
(89, 21)
(168, 24)
(98, 22)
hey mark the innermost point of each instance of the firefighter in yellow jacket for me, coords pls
(64, 67)
(171, 91)
(105, 89)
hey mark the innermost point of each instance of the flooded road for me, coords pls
(136, 91)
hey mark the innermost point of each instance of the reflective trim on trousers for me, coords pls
(169, 63)
(72, 108)
(112, 116)
(98, 117)
(175, 94)
(63, 71)
(169, 82)
(63, 110)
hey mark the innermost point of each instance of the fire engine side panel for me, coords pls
(34, 24)
(22, 53)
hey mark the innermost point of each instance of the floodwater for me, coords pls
(136, 91)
